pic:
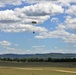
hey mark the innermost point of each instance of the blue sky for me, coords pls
(55, 28)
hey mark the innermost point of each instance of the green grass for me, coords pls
(40, 64)
(34, 71)
(8, 68)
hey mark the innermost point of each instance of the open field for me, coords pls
(7, 68)
(37, 71)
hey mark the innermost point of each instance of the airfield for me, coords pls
(38, 68)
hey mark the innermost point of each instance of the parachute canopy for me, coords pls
(34, 22)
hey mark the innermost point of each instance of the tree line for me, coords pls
(38, 60)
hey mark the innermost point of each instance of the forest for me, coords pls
(37, 60)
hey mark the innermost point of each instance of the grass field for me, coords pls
(7, 68)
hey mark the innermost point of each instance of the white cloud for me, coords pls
(41, 10)
(34, 1)
(8, 16)
(72, 10)
(22, 28)
(61, 2)
(18, 2)
(20, 19)
(66, 36)
(24, 51)
(70, 22)
(16, 51)
(14, 2)
(63, 51)
(61, 27)
(5, 43)
(38, 46)
(9, 48)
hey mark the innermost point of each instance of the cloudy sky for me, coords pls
(55, 28)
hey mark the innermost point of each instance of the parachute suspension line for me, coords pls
(34, 22)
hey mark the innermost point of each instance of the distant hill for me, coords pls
(47, 55)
